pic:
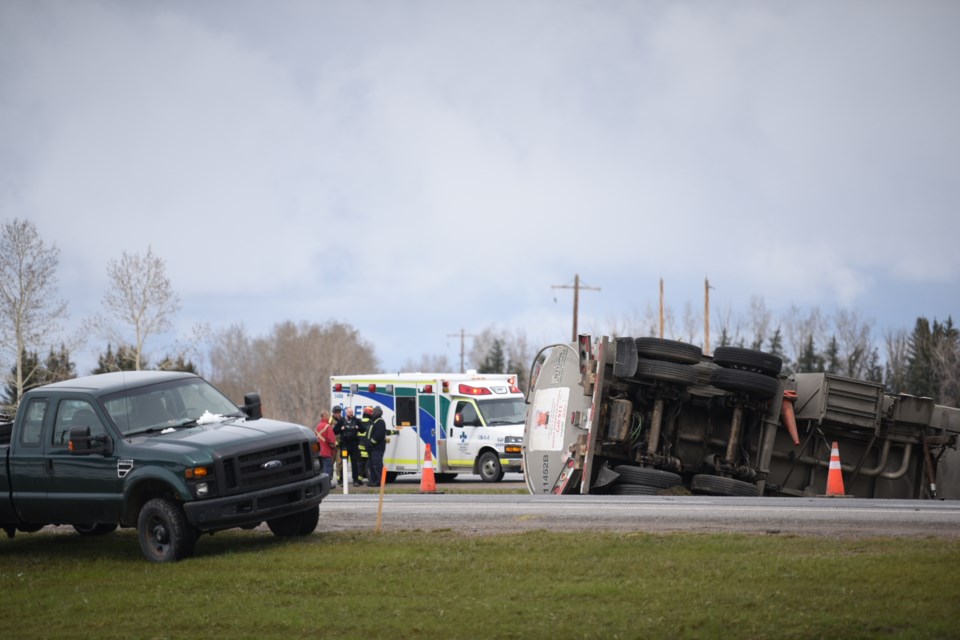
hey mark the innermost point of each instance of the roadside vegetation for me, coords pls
(441, 584)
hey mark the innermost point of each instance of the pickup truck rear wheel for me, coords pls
(296, 524)
(95, 529)
(165, 535)
(490, 469)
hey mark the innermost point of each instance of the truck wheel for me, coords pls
(753, 384)
(96, 529)
(30, 527)
(682, 374)
(296, 524)
(669, 350)
(645, 476)
(165, 535)
(490, 469)
(706, 484)
(634, 490)
(748, 360)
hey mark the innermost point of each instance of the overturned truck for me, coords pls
(649, 416)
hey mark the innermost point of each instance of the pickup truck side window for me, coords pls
(75, 413)
(33, 422)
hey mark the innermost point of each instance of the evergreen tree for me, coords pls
(874, 372)
(176, 364)
(494, 362)
(125, 359)
(810, 361)
(832, 357)
(58, 365)
(30, 363)
(921, 374)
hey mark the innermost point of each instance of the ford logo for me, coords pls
(271, 464)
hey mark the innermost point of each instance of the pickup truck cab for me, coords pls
(164, 452)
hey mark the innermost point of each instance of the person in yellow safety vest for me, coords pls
(364, 429)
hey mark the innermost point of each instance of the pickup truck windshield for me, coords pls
(166, 405)
(503, 411)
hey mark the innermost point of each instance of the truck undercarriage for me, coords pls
(648, 416)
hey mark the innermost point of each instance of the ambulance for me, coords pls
(473, 422)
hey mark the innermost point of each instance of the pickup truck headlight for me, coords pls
(200, 480)
(202, 490)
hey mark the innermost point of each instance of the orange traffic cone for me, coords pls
(835, 475)
(428, 483)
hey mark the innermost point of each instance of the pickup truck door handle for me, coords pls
(48, 465)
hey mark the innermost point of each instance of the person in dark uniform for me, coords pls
(346, 429)
(363, 428)
(377, 439)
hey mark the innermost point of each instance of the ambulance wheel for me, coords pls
(392, 476)
(719, 486)
(669, 350)
(489, 467)
(446, 477)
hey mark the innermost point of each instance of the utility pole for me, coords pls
(463, 336)
(576, 298)
(706, 316)
(661, 308)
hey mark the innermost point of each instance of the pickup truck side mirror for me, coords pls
(83, 444)
(251, 406)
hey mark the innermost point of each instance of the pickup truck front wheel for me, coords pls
(164, 533)
(297, 524)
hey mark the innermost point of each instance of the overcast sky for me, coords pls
(413, 168)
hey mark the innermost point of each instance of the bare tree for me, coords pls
(760, 319)
(853, 340)
(29, 308)
(140, 298)
(803, 334)
(290, 368)
(516, 350)
(897, 346)
(428, 363)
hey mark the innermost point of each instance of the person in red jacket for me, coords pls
(328, 443)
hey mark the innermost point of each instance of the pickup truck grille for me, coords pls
(265, 468)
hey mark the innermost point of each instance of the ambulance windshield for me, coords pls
(501, 411)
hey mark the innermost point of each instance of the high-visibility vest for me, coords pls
(362, 435)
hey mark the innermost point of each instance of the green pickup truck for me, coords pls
(164, 452)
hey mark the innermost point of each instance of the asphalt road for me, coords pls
(492, 513)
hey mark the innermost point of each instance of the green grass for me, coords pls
(440, 584)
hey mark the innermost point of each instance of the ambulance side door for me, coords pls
(463, 434)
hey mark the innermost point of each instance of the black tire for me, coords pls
(706, 484)
(96, 529)
(647, 477)
(392, 476)
(671, 372)
(30, 527)
(489, 467)
(296, 524)
(753, 384)
(748, 360)
(165, 535)
(446, 477)
(634, 490)
(669, 350)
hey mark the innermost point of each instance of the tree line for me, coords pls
(290, 365)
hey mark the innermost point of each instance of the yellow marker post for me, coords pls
(383, 486)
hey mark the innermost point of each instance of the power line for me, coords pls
(576, 286)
